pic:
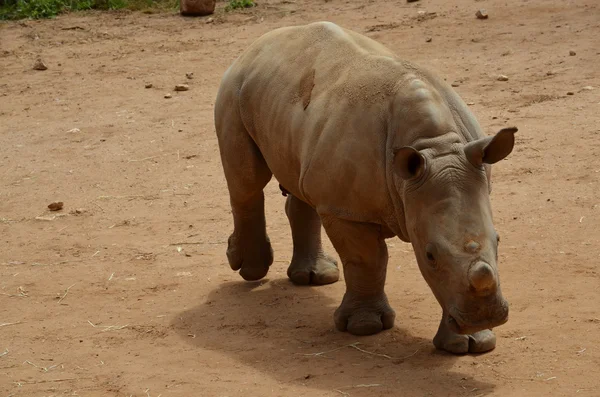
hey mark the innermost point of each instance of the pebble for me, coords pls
(455, 84)
(428, 39)
(570, 93)
(189, 75)
(74, 130)
(587, 88)
(182, 87)
(56, 206)
(167, 96)
(481, 14)
(210, 20)
(572, 53)
(502, 78)
(39, 65)
(149, 85)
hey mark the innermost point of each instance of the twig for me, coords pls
(198, 243)
(31, 382)
(144, 159)
(354, 346)
(321, 353)
(359, 386)
(7, 324)
(114, 327)
(341, 392)
(111, 276)
(4, 353)
(66, 292)
(368, 352)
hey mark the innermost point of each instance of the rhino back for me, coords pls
(318, 100)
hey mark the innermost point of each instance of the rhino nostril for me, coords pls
(481, 276)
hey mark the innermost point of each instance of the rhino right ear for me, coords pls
(408, 162)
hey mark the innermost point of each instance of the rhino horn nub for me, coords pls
(482, 277)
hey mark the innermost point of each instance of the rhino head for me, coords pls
(448, 220)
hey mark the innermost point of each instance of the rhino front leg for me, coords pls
(309, 265)
(479, 342)
(365, 309)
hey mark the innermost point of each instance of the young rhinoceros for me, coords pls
(373, 147)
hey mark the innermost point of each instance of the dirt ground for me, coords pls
(127, 292)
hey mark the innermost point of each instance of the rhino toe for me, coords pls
(364, 317)
(482, 341)
(252, 260)
(321, 271)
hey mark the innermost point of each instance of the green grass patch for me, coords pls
(237, 4)
(37, 9)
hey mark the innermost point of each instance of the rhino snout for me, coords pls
(485, 316)
(482, 278)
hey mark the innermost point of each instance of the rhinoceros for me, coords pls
(369, 146)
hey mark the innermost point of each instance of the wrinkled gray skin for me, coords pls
(371, 147)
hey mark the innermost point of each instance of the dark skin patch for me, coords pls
(307, 84)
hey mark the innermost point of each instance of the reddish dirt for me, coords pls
(152, 307)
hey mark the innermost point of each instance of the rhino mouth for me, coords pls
(463, 322)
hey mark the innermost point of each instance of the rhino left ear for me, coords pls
(492, 149)
(408, 162)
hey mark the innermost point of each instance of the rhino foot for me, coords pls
(251, 258)
(479, 342)
(320, 271)
(364, 316)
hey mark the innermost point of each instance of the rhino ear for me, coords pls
(408, 162)
(492, 149)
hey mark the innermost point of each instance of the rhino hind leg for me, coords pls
(479, 342)
(309, 265)
(365, 309)
(248, 249)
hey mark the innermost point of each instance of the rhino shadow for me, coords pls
(287, 332)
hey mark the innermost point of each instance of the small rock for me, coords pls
(39, 65)
(182, 87)
(411, 1)
(455, 84)
(189, 75)
(502, 78)
(470, 103)
(428, 39)
(550, 73)
(587, 88)
(79, 211)
(149, 85)
(167, 96)
(572, 53)
(74, 130)
(481, 14)
(56, 206)
(570, 93)
(494, 117)
(210, 20)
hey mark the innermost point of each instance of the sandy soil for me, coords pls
(126, 291)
